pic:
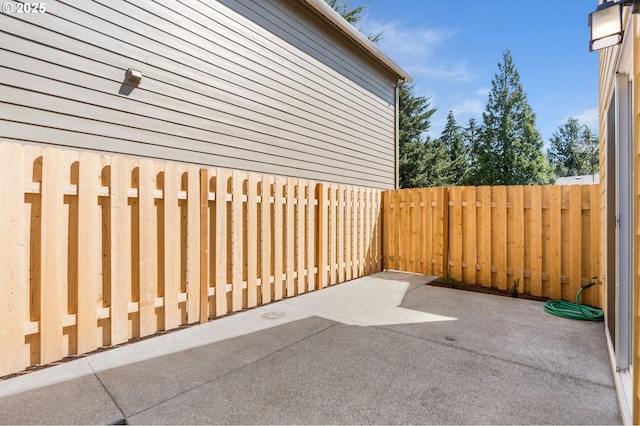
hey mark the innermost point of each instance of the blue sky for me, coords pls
(452, 49)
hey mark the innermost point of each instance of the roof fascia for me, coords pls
(324, 10)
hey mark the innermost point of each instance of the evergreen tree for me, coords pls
(573, 152)
(456, 151)
(413, 157)
(414, 115)
(471, 138)
(510, 148)
(423, 163)
(418, 156)
(352, 16)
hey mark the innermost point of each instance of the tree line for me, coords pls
(505, 148)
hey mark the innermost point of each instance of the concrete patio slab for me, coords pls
(343, 355)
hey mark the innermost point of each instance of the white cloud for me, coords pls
(588, 117)
(469, 106)
(483, 91)
(458, 72)
(402, 42)
(415, 50)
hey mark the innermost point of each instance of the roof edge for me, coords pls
(323, 9)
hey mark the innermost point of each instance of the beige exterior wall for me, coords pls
(609, 61)
(266, 86)
(636, 227)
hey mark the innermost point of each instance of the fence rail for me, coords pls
(100, 249)
(545, 237)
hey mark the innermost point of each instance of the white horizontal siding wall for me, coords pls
(261, 86)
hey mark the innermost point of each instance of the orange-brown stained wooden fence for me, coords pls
(100, 249)
(545, 237)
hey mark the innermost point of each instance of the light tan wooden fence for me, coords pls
(546, 237)
(100, 249)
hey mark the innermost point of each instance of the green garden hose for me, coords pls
(574, 310)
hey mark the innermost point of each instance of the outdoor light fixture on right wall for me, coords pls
(606, 23)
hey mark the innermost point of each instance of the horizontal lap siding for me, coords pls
(257, 86)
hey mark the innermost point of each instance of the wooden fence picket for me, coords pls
(89, 227)
(554, 242)
(299, 231)
(323, 235)
(311, 215)
(515, 237)
(121, 249)
(594, 236)
(575, 239)
(469, 235)
(499, 235)
(51, 256)
(251, 252)
(426, 240)
(171, 259)
(535, 247)
(278, 240)
(455, 236)
(203, 245)
(289, 232)
(266, 250)
(237, 239)
(13, 262)
(221, 242)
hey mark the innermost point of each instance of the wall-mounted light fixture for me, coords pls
(606, 23)
(134, 76)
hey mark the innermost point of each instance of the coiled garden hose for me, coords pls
(574, 310)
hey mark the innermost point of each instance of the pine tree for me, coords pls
(510, 148)
(418, 156)
(424, 163)
(471, 138)
(414, 115)
(456, 151)
(352, 16)
(573, 152)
